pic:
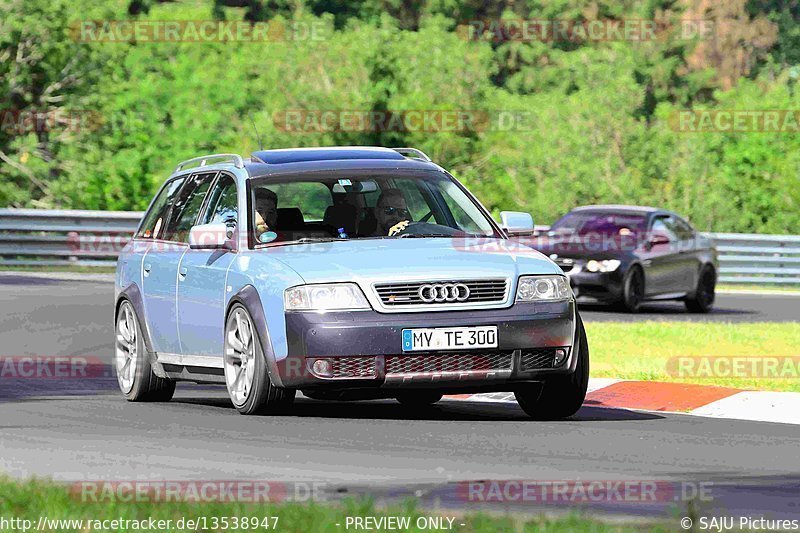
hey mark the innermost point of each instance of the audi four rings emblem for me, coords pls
(443, 292)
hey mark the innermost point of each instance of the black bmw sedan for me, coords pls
(627, 255)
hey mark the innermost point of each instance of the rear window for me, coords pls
(312, 198)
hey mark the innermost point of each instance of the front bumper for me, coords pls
(605, 286)
(368, 345)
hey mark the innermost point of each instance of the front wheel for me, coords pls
(245, 366)
(633, 290)
(135, 375)
(561, 396)
(703, 299)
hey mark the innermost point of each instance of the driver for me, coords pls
(391, 212)
(266, 216)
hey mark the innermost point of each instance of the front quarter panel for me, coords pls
(256, 279)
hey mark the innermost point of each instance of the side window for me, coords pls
(660, 227)
(312, 198)
(222, 202)
(187, 207)
(154, 219)
(683, 229)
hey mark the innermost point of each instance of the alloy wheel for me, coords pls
(239, 356)
(126, 349)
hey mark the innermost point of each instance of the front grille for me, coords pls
(538, 358)
(463, 362)
(480, 291)
(353, 367)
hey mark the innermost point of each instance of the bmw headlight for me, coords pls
(543, 288)
(607, 265)
(325, 297)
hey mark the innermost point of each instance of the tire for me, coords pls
(633, 290)
(419, 399)
(702, 301)
(560, 397)
(132, 365)
(245, 367)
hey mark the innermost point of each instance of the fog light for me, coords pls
(561, 356)
(322, 368)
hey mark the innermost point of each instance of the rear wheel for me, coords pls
(134, 373)
(245, 367)
(418, 399)
(560, 396)
(633, 290)
(703, 299)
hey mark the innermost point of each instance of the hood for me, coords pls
(369, 261)
(583, 247)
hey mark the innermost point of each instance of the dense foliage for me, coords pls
(599, 115)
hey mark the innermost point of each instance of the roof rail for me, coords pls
(236, 159)
(412, 152)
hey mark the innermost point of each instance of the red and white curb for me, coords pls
(684, 398)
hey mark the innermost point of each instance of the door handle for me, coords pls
(147, 267)
(182, 272)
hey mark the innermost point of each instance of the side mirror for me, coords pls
(516, 222)
(657, 240)
(210, 236)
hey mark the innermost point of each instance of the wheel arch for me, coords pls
(637, 265)
(249, 298)
(132, 294)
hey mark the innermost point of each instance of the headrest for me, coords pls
(290, 218)
(342, 216)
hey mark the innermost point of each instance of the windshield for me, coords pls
(602, 223)
(310, 208)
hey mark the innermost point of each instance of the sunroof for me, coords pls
(298, 155)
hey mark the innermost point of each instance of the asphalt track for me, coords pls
(73, 429)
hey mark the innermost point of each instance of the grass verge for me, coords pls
(767, 288)
(32, 500)
(645, 351)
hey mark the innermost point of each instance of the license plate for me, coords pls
(419, 339)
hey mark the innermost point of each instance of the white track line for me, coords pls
(762, 406)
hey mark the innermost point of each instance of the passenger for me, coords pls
(391, 212)
(266, 211)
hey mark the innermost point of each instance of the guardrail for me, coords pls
(33, 237)
(38, 237)
(752, 258)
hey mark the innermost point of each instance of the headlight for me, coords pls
(608, 265)
(543, 288)
(325, 297)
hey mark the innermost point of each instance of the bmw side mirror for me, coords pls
(516, 222)
(210, 236)
(657, 240)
